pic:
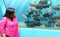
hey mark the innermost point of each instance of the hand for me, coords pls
(1, 35)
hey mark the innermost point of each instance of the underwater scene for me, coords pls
(41, 14)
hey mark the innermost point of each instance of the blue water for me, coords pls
(21, 6)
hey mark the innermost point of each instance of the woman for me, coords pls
(9, 24)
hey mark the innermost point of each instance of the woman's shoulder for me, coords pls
(4, 18)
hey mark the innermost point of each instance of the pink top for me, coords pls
(9, 27)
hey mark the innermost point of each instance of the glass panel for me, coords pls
(1, 14)
(36, 13)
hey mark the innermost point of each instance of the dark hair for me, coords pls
(10, 13)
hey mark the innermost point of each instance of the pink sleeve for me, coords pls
(2, 25)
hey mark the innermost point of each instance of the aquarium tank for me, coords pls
(34, 13)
